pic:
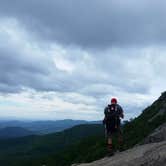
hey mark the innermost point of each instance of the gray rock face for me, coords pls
(160, 112)
(158, 135)
(153, 154)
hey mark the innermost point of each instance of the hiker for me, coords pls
(113, 114)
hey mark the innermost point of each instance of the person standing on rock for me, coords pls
(113, 114)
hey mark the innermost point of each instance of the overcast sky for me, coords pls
(65, 59)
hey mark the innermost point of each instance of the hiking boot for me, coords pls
(110, 150)
(110, 153)
(120, 145)
(119, 148)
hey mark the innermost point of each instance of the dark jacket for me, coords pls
(113, 113)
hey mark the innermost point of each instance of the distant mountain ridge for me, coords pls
(30, 147)
(44, 126)
(14, 132)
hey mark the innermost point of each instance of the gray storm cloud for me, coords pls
(84, 51)
(92, 23)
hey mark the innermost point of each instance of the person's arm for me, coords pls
(104, 120)
(121, 112)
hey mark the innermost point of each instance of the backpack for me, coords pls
(112, 115)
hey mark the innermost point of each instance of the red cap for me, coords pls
(113, 100)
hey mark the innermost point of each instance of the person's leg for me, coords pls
(120, 139)
(109, 139)
(109, 144)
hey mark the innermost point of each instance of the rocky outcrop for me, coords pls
(158, 135)
(153, 154)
